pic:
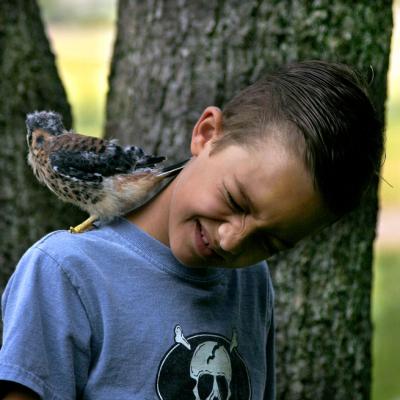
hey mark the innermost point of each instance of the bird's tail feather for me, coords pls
(141, 159)
(149, 161)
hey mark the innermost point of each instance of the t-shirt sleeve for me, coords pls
(46, 336)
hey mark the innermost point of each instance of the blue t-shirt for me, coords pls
(111, 314)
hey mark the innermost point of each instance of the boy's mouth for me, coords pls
(204, 237)
(202, 241)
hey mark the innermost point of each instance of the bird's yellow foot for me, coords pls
(86, 225)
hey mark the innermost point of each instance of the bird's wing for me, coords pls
(91, 159)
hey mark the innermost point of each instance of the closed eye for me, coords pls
(233, 203)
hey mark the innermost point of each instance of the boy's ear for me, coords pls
(207, 128)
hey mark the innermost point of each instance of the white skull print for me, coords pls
(211, 368)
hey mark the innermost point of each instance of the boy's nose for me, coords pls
(232, 236)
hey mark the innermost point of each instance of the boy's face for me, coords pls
(239, 205)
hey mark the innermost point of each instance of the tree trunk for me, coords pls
(172, 59)
(29, 81)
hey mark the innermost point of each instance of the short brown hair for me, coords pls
(322, 107)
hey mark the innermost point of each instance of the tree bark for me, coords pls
(173, 58)
(29, 81)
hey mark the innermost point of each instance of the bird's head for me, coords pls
(48, 121)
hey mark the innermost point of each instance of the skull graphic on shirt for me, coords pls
(204, 366)
(211, 368)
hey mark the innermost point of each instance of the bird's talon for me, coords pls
(73, 229)
(78, 229)
(86, 225)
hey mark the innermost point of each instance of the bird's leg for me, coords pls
(84, 226)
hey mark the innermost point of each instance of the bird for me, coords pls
(99, 176)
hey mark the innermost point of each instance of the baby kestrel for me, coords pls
(97, 175)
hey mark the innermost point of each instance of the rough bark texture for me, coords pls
(29, 81)
(172, 58)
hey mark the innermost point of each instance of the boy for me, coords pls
(154, 305)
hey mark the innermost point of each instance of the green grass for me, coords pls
(390, 196)
(390, 190)
(386, 318)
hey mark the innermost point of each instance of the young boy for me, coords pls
(154, 305)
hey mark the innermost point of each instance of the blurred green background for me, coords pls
(82, 35)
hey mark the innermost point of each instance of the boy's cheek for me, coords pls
(198, 204)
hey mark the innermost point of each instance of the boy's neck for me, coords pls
(152, 217)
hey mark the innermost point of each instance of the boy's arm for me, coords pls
(20, 396)
(15, 391)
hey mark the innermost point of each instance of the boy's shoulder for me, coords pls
(72, 251)
(77, 258)
(62, 244)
